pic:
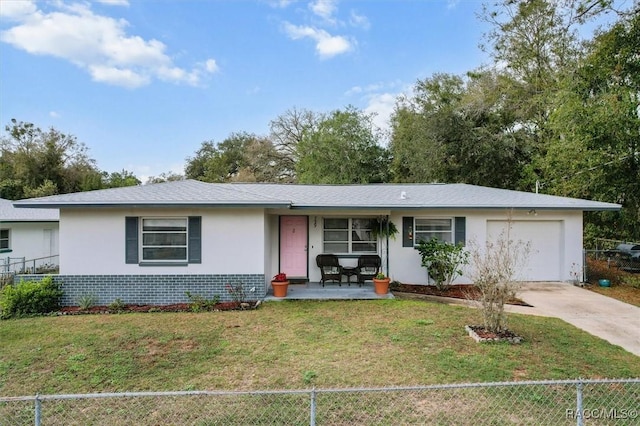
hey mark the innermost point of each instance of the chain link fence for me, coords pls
(561, 402)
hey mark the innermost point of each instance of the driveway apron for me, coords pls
(614, 321)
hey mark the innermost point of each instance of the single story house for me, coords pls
(152, 243)
(27, 236)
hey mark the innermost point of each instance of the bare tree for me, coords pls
(495, 271)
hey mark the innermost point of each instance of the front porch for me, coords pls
(331, 291)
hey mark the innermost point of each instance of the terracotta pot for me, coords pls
(381, 286)
(280, 288)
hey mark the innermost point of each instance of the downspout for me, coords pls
(387, 234)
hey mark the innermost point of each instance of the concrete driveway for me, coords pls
(614, 321)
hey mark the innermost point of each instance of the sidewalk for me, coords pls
(614, 321)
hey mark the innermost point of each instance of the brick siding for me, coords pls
(152, 289)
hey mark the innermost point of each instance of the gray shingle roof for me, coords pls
(8, 213)
(179, 193)
(386, 196)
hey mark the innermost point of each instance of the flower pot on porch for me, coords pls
(381, 285)
(280, 288)
(280, 285)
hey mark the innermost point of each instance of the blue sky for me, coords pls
(144, 82)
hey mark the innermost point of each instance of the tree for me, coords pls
(241, 157)
(164, 177)
(458, 130)
(534, 41)
(343, 148)
(287, 131)
(38, 163)
(218, 162)
(595, 152)
(119, 179)
(494, 271)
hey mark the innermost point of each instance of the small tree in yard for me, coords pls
(494, 272)
(443, 261)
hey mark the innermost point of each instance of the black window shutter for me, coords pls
(460, 230)
(195, 239)
(407, 231)
(131, 239)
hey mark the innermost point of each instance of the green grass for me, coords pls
(291, 345)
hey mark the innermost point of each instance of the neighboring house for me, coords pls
(151, 243)
(27, 234)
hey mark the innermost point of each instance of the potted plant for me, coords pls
(280, 285)
(381, 283)
(383, 227)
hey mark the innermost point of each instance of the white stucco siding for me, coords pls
(93, 241)
(32, 240)
(556, 240)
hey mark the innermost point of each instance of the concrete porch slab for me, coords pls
(331, 291)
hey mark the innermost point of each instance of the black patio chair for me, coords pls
(330, 268)
(368, 267)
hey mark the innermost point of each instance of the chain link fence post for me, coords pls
(312, 414)
(579, 420)
(38, 410)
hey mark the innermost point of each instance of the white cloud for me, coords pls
(324, 9)
(145, 171)
(280, 3)
(98, 44)
(359, 21)
(375, 87)
(211, 66)
(382, 106)
(355, 90)
(17, 9)
(380, 100)
(451, 4)
(118, 76)
(114, 2)
(327, 45)
(54, 114)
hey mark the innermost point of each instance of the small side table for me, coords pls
(349, 271)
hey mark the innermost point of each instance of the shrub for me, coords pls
(237, 292)
(199, 303)
(631, 281)
(443, 261)
(29, 298)
(117, 306)
(87, 301)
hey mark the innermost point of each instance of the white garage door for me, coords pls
(546, 237)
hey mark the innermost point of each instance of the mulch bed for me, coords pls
(456, 291)
(176, 307)
(481, 334)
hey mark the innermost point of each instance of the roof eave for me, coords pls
(450, 207)
(154, 205)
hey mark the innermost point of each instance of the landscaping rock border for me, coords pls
(481, 335)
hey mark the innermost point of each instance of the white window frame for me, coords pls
(143, 246)
(349, 230)
(451, 231)
(7, 239)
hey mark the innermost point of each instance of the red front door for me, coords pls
(293, 246)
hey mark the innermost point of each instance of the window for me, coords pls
(349, 235)
(164, 239)
(4, 239)
(428, 228)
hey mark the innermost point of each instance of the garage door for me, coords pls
(546, 238)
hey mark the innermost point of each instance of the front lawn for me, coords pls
(291, 345)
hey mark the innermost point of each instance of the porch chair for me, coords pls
(330, 268)
(368, 267)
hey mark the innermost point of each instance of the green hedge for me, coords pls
(29, 298)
